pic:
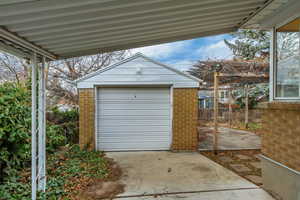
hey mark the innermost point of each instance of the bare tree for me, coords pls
(205, 70)
(12, 68)
(61, 74)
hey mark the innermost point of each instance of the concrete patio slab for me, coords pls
(150, 173)
(229, 139)
(257, 194)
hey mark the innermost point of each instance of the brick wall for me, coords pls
(86, 118)
(281, 138)
(185, 119)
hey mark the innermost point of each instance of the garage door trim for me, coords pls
(169, 86)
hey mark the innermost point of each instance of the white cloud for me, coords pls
(215, 38)
(162, 51)
(182, 65)
(217, 50)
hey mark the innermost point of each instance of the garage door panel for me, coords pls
(133, 122)
(133, 119)
(126, 106)
(135, 140)
(136, 101)
(119, 92)
(132, 95)
(131, 134)
(155, 136)
(129, 128)
(144, 112)
(133, 146)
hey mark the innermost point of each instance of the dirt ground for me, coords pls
(245, 163)
(106, 188)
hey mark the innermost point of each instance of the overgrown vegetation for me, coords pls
(68, 121)
(15, 134)
(68, 168)
(69, 171)
(14, 128)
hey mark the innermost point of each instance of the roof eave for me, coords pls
(274, 14)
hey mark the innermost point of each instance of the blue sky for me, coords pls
(182, 54)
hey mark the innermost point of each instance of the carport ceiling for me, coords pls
(69, 28)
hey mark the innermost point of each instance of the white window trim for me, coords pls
(273, 64)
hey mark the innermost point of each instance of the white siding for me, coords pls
(151, 73)
(133, 119)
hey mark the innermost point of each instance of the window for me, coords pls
(288, 60)
(222, 95)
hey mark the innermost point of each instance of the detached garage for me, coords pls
(138, 104)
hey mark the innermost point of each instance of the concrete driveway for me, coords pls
(166, 175)
(229, 139)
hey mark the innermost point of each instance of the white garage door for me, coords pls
(133, 119)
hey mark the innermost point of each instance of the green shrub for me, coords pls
(68, 121)
(15, 122)
(55, 137)
(15, 130)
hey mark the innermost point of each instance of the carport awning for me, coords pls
(69, 28)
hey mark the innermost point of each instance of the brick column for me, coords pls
(185, 119)
(87, 118)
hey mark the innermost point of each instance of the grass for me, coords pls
(69, 172)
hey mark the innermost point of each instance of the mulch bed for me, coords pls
(243, 162)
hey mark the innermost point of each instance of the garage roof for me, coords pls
(145, 58)
(68, 28)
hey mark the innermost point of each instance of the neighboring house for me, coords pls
(224, 94)
(206, 97)
(138, 104)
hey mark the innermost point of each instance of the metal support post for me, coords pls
(42, 129)
(33, 126)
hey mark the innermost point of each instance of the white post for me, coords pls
(272, 73)
(45, 123)
(33, 126)
(42, 130)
